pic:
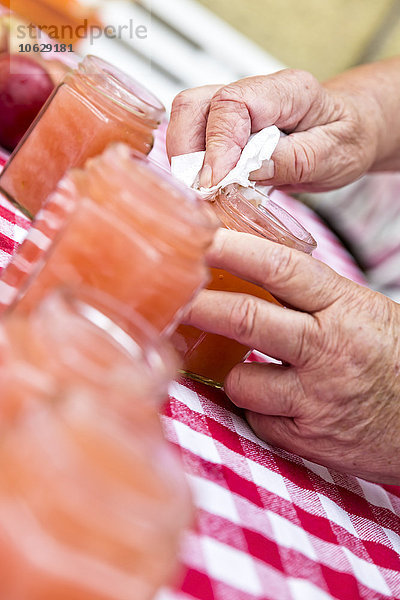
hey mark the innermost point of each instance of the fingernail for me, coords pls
(206, 177)
(266, 171)
(269, 169)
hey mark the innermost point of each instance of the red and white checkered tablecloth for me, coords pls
(270, 525)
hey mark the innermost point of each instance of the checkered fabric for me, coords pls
(270, 525)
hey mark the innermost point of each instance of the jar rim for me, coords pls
(265, 218)
(200, 215)
(142, 341)
(121, 88)
(128, 331)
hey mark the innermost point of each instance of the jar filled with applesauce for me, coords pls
(94, 105)
(209, 357)
(123, 227)
(93, 500)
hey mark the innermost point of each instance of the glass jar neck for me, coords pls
(175, 219)
(250, 211)
(105, 84)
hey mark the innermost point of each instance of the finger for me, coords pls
(228, 131)
(187, 127)
(299, 159)
(284, 432)
(277, 431)
(292, 276)
(280, 332)
(267, 389)
(312, 160)
(289, 99)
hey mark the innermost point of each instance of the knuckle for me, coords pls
(227, 129)
(224, 110)
(306, 343)
(229, 120)
(328, 345)
(243, 317)
(307, 79)
(280, 264)
(376, 306)
(304, 162)
(184, 100)
(230, 93)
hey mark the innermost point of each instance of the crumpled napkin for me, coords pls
(260, 147)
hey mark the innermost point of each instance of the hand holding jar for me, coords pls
(334, 400)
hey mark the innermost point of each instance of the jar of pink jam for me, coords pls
(94, 105)
(123, 227)
(93, 500)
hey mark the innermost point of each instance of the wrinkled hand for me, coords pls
(336, 399)
(332, 133)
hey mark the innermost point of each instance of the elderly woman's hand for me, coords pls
(336, 398)
(337, 131)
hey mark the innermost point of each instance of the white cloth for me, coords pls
(260, 147)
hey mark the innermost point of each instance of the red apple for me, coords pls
(24, 88)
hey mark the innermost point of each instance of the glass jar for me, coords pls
(95, 104)
(124, 227)
(209, 357)
(92, 502)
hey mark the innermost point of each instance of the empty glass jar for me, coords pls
(209, 357)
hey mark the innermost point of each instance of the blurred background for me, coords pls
(323, 37)
(194, 42)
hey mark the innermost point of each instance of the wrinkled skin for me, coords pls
(336, 398)
(336, 132)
